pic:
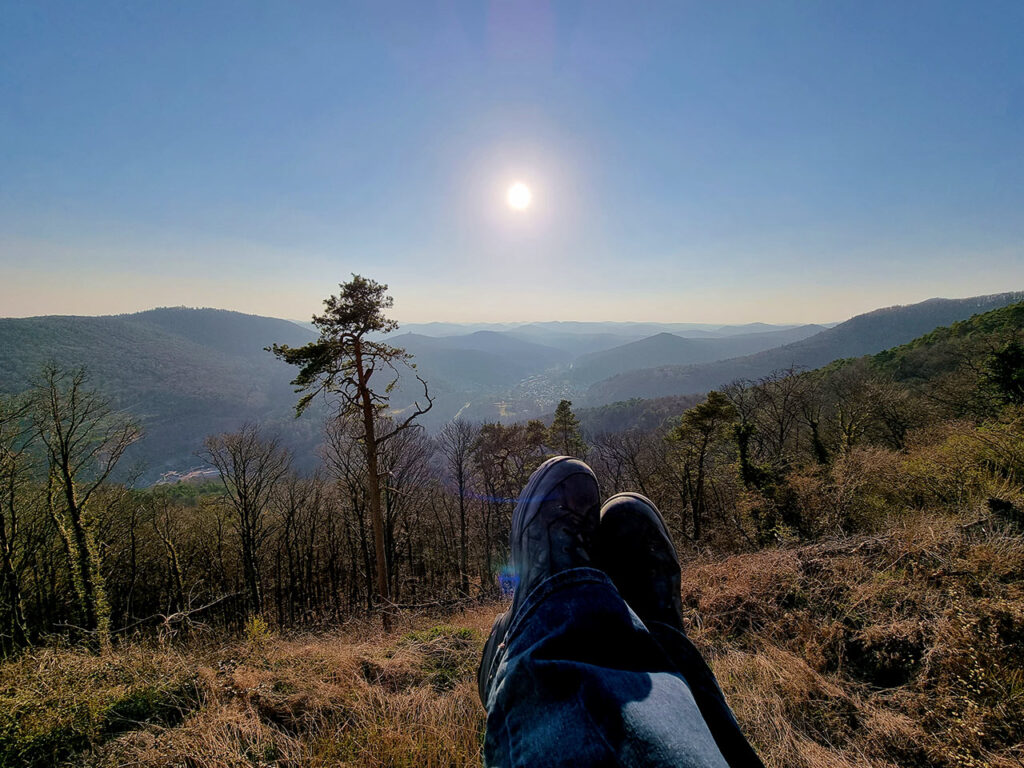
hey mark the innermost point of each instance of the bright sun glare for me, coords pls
(519, 196)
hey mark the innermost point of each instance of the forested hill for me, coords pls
(865, 334)
(932, 362)
(210, 350)
(977, 328)
(934, 358)
(232, 333)
(183, 373)
(188, 373)
(670, 349)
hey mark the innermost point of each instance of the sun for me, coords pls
(519, 196)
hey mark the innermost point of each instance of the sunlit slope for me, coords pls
(865, 334)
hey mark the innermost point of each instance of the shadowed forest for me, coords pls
(851, 538)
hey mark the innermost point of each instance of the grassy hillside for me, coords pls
(895, 649)
(862, 335)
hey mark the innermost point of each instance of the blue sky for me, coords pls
(704, 162)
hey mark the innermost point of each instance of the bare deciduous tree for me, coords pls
(84, 438)
(15, 462)
(456, 441)
(250, 467)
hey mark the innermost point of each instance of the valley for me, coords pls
(186, 373)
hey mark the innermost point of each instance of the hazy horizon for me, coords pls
(432, 321)
(513, 322)
(707, 314)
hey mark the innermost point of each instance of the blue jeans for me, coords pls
(580, 680)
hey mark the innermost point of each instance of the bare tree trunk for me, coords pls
(250, 469)
(97, 612)
(373, 478)
(463, 545)
(9, 586)
(83, 445)
(376, 512)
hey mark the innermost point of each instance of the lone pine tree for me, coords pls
(341, 364)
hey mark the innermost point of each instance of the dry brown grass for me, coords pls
(351, 697)
(355, 698)
(902, 649)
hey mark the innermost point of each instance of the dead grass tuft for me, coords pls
(898, 649)
(349, 698)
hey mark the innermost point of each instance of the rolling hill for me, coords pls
(460, 358)
(669, 349)
(188, 373)
(184, 373)
(573, 339)
(865, 334)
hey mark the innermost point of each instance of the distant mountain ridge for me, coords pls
(443, 359)
(223, 330)
(556, 327)
(864, 334)
(187, 373)
(670, 349)
(922, 360)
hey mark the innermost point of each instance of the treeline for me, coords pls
(937, 425)
(89, 558)
(934, 424)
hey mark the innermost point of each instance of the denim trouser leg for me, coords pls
(721, 721)
(581, 681)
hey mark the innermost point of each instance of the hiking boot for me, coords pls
(553, 529)
(636, 552)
